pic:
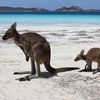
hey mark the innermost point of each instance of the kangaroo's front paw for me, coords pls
(27, 58)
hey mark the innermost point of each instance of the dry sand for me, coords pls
(72, 85)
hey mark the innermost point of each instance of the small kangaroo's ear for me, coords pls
(82, 52)
(14, 25)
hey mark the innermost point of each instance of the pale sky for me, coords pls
(51, 4)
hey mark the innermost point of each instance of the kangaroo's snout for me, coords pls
(4, 37)
(77, 58)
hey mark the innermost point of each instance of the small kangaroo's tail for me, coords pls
(58, 70)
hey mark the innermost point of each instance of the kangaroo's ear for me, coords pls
(14, 25)
(82, 52)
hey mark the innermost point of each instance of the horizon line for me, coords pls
(54, 9)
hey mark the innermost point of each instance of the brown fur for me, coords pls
(37, 48)
(93, 55)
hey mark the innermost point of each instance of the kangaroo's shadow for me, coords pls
(42, 75)
(48, 74)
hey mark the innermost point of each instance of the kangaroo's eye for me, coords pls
(77, 58)
(9, 33)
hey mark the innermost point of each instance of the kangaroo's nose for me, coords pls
(4, 38)
(75, 59)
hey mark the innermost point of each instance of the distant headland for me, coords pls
(4, 9)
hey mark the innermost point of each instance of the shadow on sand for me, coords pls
(47, 74)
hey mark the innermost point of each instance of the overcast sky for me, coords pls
(51, 4)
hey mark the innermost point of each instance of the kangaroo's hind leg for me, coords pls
(33, 70)
(98, 69)
(29, 77)
(37, 74)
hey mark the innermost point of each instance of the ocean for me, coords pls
(57, 28)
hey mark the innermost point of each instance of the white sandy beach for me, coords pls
(71, 85)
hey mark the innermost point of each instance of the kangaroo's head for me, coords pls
(79, 56)
(10, 33)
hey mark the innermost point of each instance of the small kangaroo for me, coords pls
(35, 47)
(93, 55)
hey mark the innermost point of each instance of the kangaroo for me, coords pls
(35, 47)
(93, 55)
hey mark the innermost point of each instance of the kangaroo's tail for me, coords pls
(57, 70)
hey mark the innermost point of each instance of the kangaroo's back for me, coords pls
(33, 37)
(93, 53)
(36, 39)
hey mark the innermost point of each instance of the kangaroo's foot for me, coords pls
(94, 72)
(23, 72)
(23, 79)
(97, 70)
(28, 78)
(88, 69)
(32, 76)
(85, 70)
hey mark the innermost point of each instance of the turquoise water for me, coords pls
(57, 28)
(49, 18)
